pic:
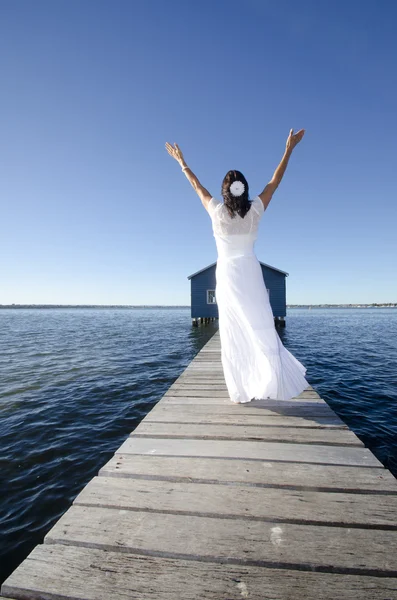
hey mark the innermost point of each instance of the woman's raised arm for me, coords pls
(292, 141)
(203, 194)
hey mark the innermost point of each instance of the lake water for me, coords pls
(75, 382)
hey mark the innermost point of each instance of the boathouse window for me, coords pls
(211, 297)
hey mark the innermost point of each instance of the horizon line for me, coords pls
(16, 305)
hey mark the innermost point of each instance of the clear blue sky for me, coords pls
(94, 210)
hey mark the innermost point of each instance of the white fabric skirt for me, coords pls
(256, 364)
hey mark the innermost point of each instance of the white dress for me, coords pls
(255, 363)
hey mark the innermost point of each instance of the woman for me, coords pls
(256, 364)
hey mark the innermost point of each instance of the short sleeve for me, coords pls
(258, 205)
(211, 206)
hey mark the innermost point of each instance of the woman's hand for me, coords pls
(294, 138)
(175, 153)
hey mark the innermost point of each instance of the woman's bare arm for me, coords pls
(275, 181)
(292, 141)
(203, 194)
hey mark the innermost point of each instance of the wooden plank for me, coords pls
(273, 504)
(212, 400)
(190, 382)
(200, 385)
(336, 455)
(272, 544)
(191, 379)
(197, 392)
(292, 409)
(207, 365)
(268, 433)
(195, 400)
(75, 572)
(264, 473)
(209, 382)
(205, 380)
(209, 358)
(176, 416)
(205, 384)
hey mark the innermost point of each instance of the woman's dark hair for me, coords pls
(235, 204)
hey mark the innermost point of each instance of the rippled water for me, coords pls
(75, 382)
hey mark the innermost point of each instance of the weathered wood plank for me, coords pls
(206, 366)
(184, 399)
(241, 501)
(242, 540)
(201, 392)
(216, 384)
(75, 572)
(176, 416)
(293, 409)
(267, 433)
(196, 392)
(191, 382)
(336, 455)
(266, 473)
(200, 379)
(195, 400)
(205, 383)
(207, 357)
(200, 385)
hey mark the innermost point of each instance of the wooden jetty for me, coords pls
(210, 500)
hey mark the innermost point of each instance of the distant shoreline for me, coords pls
(173, 306)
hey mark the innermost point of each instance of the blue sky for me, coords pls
(95, 211)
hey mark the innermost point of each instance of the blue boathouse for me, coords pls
(203, 301)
